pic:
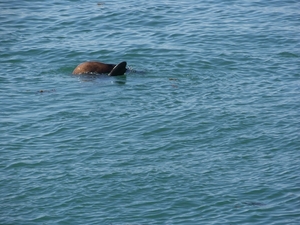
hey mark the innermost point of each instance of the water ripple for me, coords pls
(202, 129)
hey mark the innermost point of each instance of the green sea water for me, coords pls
(204, 128)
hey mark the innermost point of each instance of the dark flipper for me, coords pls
(119, 69)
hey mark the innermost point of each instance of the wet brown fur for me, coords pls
(93, 67)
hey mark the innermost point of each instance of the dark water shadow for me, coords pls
(101, 78)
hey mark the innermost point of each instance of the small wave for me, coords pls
(288, 55)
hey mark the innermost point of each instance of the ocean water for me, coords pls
(204, 128)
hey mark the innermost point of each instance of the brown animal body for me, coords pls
(99, 67)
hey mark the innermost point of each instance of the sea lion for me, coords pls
(99, 67)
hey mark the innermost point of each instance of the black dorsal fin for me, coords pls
(118, 70)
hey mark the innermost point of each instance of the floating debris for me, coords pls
(46, 91)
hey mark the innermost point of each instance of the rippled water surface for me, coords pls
(203, 129)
